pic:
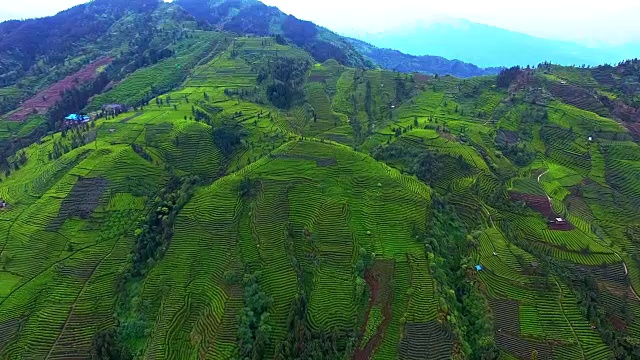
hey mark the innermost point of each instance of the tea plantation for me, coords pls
(267, 206)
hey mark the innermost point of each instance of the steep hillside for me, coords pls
(34, 47)
(53, 66)
(255, 18)
(252, 17)
(37, 53)
(252, 202)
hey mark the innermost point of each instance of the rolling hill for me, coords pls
(251, 201)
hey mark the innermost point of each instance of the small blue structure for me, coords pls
(77, 118)
(479, 267)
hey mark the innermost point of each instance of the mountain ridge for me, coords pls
(395, 60)
(232, 197)
(488, 46)
(273, 21)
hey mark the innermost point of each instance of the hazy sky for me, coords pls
(578, 20)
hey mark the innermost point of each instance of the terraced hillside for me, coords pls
(252, 202)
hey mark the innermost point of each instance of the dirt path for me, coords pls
(545, 192)
(626, 272)
(126, 120)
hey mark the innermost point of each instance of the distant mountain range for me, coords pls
(395, 60)
(488, 46)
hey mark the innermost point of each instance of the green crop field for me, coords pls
(256, 202)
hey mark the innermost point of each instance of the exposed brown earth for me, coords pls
(379, 280)
(45, 99)
(541, 204)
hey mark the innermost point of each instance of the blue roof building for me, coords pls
(77, 117)
(478, 267)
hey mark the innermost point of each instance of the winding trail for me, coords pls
(626, 272)
(545, 192)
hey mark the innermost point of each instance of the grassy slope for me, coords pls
(344, 199)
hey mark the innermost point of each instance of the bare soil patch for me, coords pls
(426, 341)
(507, 315)
(542, 205)
(81, 201)
(523, 348)
(379, 278)
(45, 99)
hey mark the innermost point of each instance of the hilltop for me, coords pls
(255, 18)
(235, 197)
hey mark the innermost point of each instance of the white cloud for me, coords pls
(23, 9)
(575, 20)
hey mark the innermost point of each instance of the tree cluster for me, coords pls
(105, 346)
(286, 77)
(253, 327)
(74, 100)
(303, 344)
(153, 238)
(522, 154)
(228, 136)
(507, 76)
(426, 165)
(405, 88)
(462, 306)
(72, 138)
(8, 102)
(139, 149)
(200, 115)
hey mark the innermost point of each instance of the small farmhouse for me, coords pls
(73, 119)
(113, 109)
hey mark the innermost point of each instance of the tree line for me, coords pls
(462, 306)
(152, 240)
